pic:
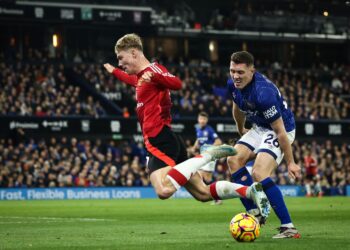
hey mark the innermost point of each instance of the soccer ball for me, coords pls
(244, 227)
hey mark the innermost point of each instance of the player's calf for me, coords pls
(181, 173)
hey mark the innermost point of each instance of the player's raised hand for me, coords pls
(109, 67)
(147, 76)
(294, 170)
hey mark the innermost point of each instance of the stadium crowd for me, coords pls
(42, 89)
(308, 16)
(30, 89)
(38, 86)
(63, 162)
(71, 163)
(317, 93)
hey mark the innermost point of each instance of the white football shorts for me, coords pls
(260, 139)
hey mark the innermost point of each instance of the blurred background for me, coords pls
(65, 122)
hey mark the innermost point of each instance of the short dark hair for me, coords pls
(205, 114)
(242, 57)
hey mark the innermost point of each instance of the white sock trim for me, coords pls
(176, 185)
(289, 225)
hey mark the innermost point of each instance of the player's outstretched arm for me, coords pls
(121, 75)
(293, 169)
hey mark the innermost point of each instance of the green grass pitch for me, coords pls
(324, 223)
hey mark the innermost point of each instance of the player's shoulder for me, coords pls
(230, 84)
(262, 81)
(157, 68)
(210, 128)
(230, 81)
(265, 96)
(263, 85)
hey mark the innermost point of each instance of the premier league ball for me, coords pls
(244, 227)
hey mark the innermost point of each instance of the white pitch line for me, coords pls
(55, 218)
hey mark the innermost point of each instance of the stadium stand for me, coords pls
(48, 83)
(43, 90)
(312, 93)
(64, 162)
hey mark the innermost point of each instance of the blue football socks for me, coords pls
(275, 197)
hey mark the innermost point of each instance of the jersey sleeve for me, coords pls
(163, 78)
(167, 80)
(124, 77)
(268, 105)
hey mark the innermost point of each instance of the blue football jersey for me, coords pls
(262, 102)
(205, 135)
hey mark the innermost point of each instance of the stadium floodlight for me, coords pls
(55, 40)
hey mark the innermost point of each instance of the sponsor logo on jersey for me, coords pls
(203, 140)
(139, 105)
(270, 112)
(250, 113)
(250, 105)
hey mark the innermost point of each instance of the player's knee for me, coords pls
(259, 175)
(207, 179)
(235, 162)
(164, 193)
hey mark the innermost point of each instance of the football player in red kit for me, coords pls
(169, 167)
(312, 180)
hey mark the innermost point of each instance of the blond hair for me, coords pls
(129, 41)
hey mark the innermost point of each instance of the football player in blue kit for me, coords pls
(258, 100)
(206, 135)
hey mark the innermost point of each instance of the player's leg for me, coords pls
(207, 175)
(268, 158)
(181, 173)
(308, 186)
(164, 180)
(318, 188)
(240, 174)
(222, 190)
(167, 149)
(163, 187)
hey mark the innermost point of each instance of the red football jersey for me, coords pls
(310, 165)
(153, 98)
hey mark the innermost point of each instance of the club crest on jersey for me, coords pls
(249, 105)
(270, 112)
